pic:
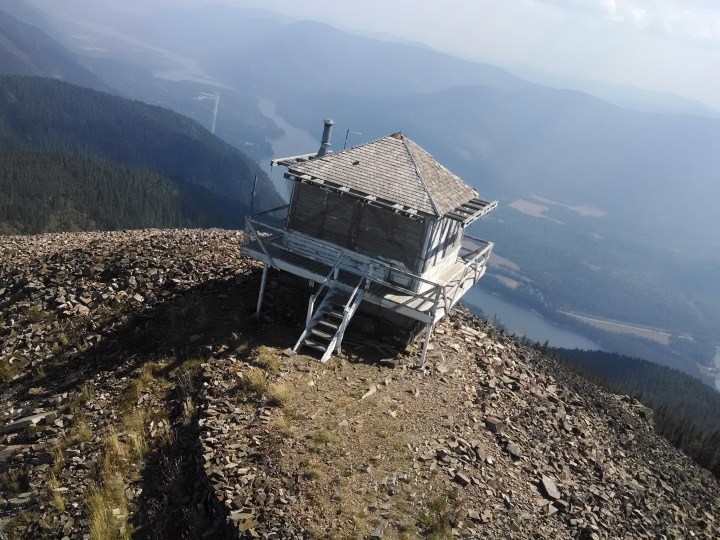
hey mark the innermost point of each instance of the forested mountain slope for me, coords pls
(52, 192)
(686, 410)
(47, 116)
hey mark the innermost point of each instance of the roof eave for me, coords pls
(371, 200)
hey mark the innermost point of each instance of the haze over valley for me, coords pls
(607, 211)
(135, 139)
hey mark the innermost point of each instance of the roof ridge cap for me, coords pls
(419, 174)
(359, 145)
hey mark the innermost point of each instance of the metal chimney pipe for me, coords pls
(325, 144)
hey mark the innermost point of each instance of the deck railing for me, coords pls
(435, 294)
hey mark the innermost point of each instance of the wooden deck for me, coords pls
(427, 306)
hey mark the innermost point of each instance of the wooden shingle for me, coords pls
(393, 169)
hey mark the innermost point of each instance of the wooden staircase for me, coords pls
(325, 326)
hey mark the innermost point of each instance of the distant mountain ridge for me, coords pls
(324, 58)
(628, 96)
(27, 50)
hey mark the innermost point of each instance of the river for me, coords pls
(295, 142)
(517, 319)
(523, 321)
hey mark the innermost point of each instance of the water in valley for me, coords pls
(294, 142)
(523, 321)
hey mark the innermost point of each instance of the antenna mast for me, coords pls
(347, 134)
(252, 199)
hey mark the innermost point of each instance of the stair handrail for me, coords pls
(354, 293)
(350, 304)
(331, 276)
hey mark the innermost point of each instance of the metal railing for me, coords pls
(475, 261)
(311, 305)
(350, 306)
(436, 294)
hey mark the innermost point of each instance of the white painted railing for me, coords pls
(436, 294)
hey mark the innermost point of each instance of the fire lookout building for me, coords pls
(382, 223)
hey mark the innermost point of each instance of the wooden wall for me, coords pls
(352, 224)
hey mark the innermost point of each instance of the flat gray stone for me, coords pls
(462, 479)
(514, 450)
(494, 424)
(7, 453)
(22, 423)
(550, 488)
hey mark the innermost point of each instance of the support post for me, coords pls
(428, 333)
(252, 198)
(262, 289)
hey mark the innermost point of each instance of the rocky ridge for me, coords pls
(109, 340)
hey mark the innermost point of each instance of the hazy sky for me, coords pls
(668, 45)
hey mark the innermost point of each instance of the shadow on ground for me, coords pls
(211, 319)
(194, 323)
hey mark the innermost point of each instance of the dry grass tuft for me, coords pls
(135, 421)
(279, 393)
(36, 314)
(323, 436)
(312, 474)
(87, 392)
(81, 432)
(266, 358)
(282, 425)
(131, 394)
(188, 411)
(107, 509)
(75, 405)
(148, 372)
(106, 501)
(145, 378)
(190, 364)
(57, 498)
(137, 444)
(59, 455)
(134, 426)
(14, 481)
(7, 371)
(435, 519)
(253, 381)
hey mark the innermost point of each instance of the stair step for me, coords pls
(314, 345)
(328, 324)
(320, 333)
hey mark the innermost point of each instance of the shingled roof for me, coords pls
(393, 169)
